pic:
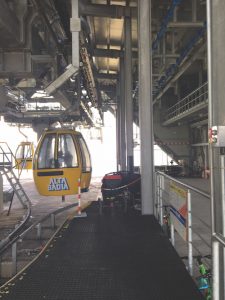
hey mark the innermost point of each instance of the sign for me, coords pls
(178, 209)
(58, 184)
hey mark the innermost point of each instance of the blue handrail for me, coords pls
(185, 51)
(165, 22)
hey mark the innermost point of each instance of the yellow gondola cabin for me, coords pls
(61, 159)
(24, 155)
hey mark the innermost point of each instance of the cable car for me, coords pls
(24, 155)
(61, 159)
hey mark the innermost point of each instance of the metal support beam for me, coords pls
(122, 117)
(194, 10)
(110, 11)
(145, 106)
(112, 53)
(1, 194)
(118, 128)
(75, 28)
(8, 21)
(185, 25)
(183, 68)
(128, 93)
(106, 76)
(52, 87)
(107, 53)
(216, 91)
(39, 127)
(44, 58)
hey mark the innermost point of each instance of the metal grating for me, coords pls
(106, 258)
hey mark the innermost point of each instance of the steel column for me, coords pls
(128, 94)
(75, 29)
(122, 118)
(216, 90)
(146, 106)
(216, 270)
(9, 22)
(118, 128)
(14, 258)
(194, 11)
(222, 166)
(161, 179)
(190, 248)
(39, 128)
(1, 194)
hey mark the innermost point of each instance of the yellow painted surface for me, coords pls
(179, 191)
(24, 164)
(22, 161)
(85, 180)
(43, 183)
(65, 184)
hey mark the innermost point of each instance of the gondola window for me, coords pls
(46, 158)
(86, 159)
(67, 156)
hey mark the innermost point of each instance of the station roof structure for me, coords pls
(36, 47)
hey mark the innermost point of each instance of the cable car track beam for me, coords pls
(73, 68)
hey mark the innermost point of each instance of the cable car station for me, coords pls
(143, 230)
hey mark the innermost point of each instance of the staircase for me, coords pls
(6, 168)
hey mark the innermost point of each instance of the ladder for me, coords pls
(6, 169)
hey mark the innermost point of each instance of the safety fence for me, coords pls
(194, 100)
(182, 211)
(12, 240)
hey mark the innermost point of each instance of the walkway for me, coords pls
(106, 258)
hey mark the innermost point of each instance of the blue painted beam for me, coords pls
(165, 22)
(170, 71)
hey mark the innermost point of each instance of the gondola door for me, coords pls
(85, 163)
(24, 155)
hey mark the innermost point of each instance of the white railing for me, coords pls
(193, 213)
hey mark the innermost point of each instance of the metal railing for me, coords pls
(41, 107)
(6, 162)
(13, 239)
(6, 156)
(218, 246)
(198, 237)
(195, 99)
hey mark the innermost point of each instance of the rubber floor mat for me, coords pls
(105, 257)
